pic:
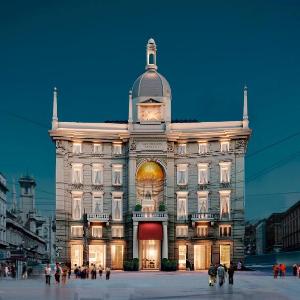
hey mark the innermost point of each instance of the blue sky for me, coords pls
(94, 50)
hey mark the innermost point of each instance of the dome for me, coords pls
(151, 84)
(150, 171)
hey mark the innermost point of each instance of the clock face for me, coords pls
(150, 113)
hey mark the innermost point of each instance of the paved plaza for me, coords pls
(154, 285)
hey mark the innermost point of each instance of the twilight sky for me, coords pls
(94, 50)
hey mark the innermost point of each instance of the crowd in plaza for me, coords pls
(220, 271)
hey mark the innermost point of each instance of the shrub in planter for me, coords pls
(131, 265)
(138, 207)
(168, 264)
(162, 207)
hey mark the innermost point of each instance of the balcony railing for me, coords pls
(149, 216)
(204, 217)
(99, 217)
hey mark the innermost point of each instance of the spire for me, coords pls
(151, 55)
(245, 111)
(130, 107)
(14, 197)
(54, 116)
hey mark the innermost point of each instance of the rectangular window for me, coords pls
(117, 208)
(224, 204)
(202, 148)
(76, 206)
(98, 202)
(98, 148)
(117, 174)
(117, 231)
(203, 173)
(77, 148)
(224, 146)
(225, 168)
(181, 150)
(202, 202)
(97, 174)
(182, 174)
(202, 231)
(77, 173)
(77, 231)
(225, 230)
(181, 231)
(182, 205)
(97, 231)
(117, 149)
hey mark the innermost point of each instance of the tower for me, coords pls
(27, 194)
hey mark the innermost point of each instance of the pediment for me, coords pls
(150, 100)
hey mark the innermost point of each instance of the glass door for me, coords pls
(225, 255)
(97, 255)
(117, 257)
(199, 257)
(182, 257)
(150, 252)
(76, 255)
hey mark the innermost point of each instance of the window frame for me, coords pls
(182, 231)
(117, 168)
(77, 167)
(97, 227)
(227, 166)
(222, 230)
(74, 147)
(182, 146)
(205, 144)
(117, 229)
(225, 193)
(224, 146)
(182, 168)
(117, 146)
(78, 196)
(97, 145)
(95, 195)
(182, 195)
(97, 168)
(119, 197)
(202, 195)
(201, 167)
(74, 233)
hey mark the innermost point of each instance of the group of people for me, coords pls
(7, 270)
(61, 273)
(220, 271)
(279, 269)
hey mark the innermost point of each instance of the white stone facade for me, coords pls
(150, 188)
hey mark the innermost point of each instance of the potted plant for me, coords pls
(138, 207)
(162, 206)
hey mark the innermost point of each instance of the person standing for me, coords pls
(212, 273)
(100, 271)
(57, 273)
(24, 271)
(221, 274)
(64, 274)
(107, 273)
(275, 271)
(230, 273)
(48, 274)
(294, 270)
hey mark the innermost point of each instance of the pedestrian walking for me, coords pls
(295, 270)
(57, 273)
(230, 273)
(69, 272)
(221, 274)
(94, 272)
(212, 274)
(100, 271)
(24, 271)
(48, 274)
(275, 271)
(299, 271)
(107, 273)
(64, 274)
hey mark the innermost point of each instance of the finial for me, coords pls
(245, 110)
(151, 55)
(54, 115)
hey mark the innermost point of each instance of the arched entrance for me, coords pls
(150, 179)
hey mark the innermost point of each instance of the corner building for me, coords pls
(150, 188)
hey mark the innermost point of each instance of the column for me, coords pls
(135, 245)
(165, 240)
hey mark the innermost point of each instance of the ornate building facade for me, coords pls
(150, 188)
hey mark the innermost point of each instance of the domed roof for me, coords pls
(150, 171)
(151, 84)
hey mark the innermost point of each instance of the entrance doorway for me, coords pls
(117, 257)
(150, 253)
(225, 255)
(182, 257)
(76, 255)
(97, 255)
(202, 256)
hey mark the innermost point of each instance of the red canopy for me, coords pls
(150, 231)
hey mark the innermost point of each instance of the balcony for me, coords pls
(149, 216)
(99, 217)
(203, 217)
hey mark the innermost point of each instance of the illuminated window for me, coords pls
(117, 174)
(202, 148)
(76, 148)
(97, 174)
(225, 168)
(117, 148)
(202, 230)
(202, 202)
(225, 230)
(117, 231)
(224, 204)
(182, 174)
(224, 146)
(182, 205)
(181, 150)
(77, 231)
(77, 177)
(117, 207)
(203, 173)
(181, 231)
(76, 205)
(97, 231)
(98, 202)
(98, 148)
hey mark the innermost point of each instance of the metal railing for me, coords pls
(155, 215)
(100, 217)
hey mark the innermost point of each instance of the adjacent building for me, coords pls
(150, 188)
(3, 202)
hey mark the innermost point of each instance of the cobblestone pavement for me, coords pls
(154, 285)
